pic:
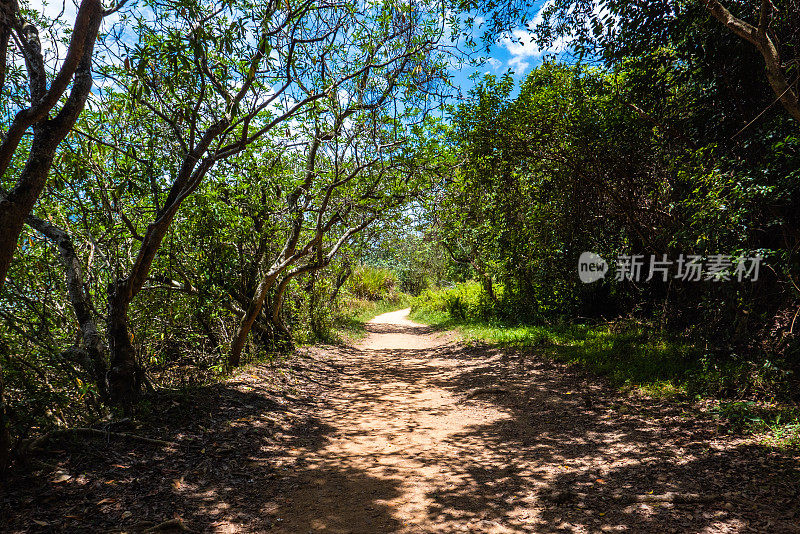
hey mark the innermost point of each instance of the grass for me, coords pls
(372, 283)
(777, 425)
(636, 359)
(631, 358)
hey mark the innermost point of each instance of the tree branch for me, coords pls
(759, 37)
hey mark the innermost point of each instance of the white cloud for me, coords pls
(520, 45)
(521, 48)
(494, 63)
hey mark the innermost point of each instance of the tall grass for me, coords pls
(370, 291)
(372, 283)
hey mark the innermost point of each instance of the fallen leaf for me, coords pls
(61, 477)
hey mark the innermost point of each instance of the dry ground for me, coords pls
(410, 431)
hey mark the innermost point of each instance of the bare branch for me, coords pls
(759, 37)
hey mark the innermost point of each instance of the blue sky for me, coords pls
(514, 52)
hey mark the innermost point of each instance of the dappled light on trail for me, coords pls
(412, 431)
(471, 439)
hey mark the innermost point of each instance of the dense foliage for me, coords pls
(201, 207)
(673, 146)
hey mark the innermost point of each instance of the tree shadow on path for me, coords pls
(574, 453)
(239, 447)
(427, 436)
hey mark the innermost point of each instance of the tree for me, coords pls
(761, 35)
(219, 79)
(368, 170)
(550, 164)
(47, 132)
(612, 30)
(15, 205)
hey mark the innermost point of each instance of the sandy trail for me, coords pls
(406, 451)
(392, 435)
(398, 431)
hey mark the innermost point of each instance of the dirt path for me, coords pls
(410, 451)
(397, 428)
(410, 431)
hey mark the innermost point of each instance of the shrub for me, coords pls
(466, 300)
(372, 283)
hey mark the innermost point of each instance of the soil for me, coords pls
(410, 431)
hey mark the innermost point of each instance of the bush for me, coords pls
(372, 283)
(466, 300)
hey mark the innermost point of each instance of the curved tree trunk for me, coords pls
(281, 291)
(320, 262)
(20, 200)
(341, 278)
(93, 349)
(758, 36)
(316, 327)
(125, 377)
(247, 320)
(47, 132)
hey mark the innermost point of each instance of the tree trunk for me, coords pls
(759, 37)
(246, 323)
(316, 328)
(341, 278)
(283, 338)
(5, 434)
(486, 280)
(94, 352)
(47, 132)
(125, 377)
(20, 200)
(277, 306)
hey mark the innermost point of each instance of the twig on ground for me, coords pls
(669, 497)
(485, 391)
(173, 524)
(39, 443)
